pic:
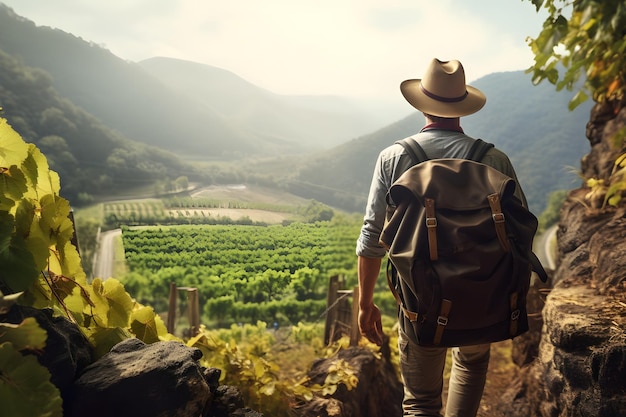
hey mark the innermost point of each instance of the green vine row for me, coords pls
(41, 267)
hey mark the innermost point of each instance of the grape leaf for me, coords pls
(25, 387)
(147, 325)
(103, 339)
(26, 335)
(13, 186)
(112, 304)
(13, 150)
(16, 260)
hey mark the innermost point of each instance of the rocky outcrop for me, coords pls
(133, 379)
(136, 379)
(378, 393)
(580, 365)
(67, 351)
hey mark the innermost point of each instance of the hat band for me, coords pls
(444, 99)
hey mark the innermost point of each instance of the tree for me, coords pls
(591, 43)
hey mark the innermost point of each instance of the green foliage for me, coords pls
(42, 268)
(90, 158)
(243, 273)
(609, 192)
(248, 357)
(551, 214)
(25, 387)
(591, 44)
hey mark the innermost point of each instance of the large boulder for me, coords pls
(135, 379)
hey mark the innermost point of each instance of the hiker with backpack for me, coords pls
(448, 211)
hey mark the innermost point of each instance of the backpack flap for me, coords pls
(469, 291)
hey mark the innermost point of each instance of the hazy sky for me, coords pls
(357, 48)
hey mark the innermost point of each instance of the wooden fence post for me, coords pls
(194, 311)
(355, 334)
(171, 311)
(331, 312)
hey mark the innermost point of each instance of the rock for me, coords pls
(67, 351)
(525, 347)
(379, 392)
(226, 401)
(580, 369)
(135, 380)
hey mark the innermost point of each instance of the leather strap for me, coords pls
(515, 313)
(431, 225)
(498, 219)
(391, 272)
(412, 316)
(442, 320)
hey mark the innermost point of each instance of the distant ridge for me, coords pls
(317, 147)
(188, 108)
(531, 124)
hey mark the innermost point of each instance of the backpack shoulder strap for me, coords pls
(478, 150)
(415, 151)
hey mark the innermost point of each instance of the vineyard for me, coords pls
(244, 273)
(44, 271)
(207, 211)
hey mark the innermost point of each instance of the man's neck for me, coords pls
(443, 124)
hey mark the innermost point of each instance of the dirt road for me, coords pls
(105, 258)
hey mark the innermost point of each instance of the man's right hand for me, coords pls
(370, 324)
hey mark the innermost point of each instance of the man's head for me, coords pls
(442, 91)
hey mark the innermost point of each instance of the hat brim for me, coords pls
(412, 92)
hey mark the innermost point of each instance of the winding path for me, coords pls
(105, 256)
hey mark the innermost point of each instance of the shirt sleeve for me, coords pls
(367, 244)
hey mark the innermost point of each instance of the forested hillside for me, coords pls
(530, 123)
(240, 132)
(89, 157)
(182, 113)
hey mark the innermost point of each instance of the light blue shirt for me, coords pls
(393, 161)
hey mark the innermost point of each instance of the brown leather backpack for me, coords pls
(460, 250)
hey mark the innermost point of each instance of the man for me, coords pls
(443, 97)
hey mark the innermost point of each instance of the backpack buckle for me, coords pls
(431, 222)
(498, 217)
(442, 321)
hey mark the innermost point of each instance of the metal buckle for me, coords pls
(498, 217)
(442, 321)
(515, 315)
(431, 222)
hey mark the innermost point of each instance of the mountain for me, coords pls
(530, 123)
(90, 158)
(321, 120)
(192, 109)
(207, 113)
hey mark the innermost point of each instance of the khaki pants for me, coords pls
(422, 373)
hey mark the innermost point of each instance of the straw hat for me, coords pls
(442, 91)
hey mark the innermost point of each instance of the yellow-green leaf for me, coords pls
(13, 150)
(25, 387)
(112, 304)
(147, 325)
(24, 336)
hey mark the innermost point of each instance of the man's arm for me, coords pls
(370, 323)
